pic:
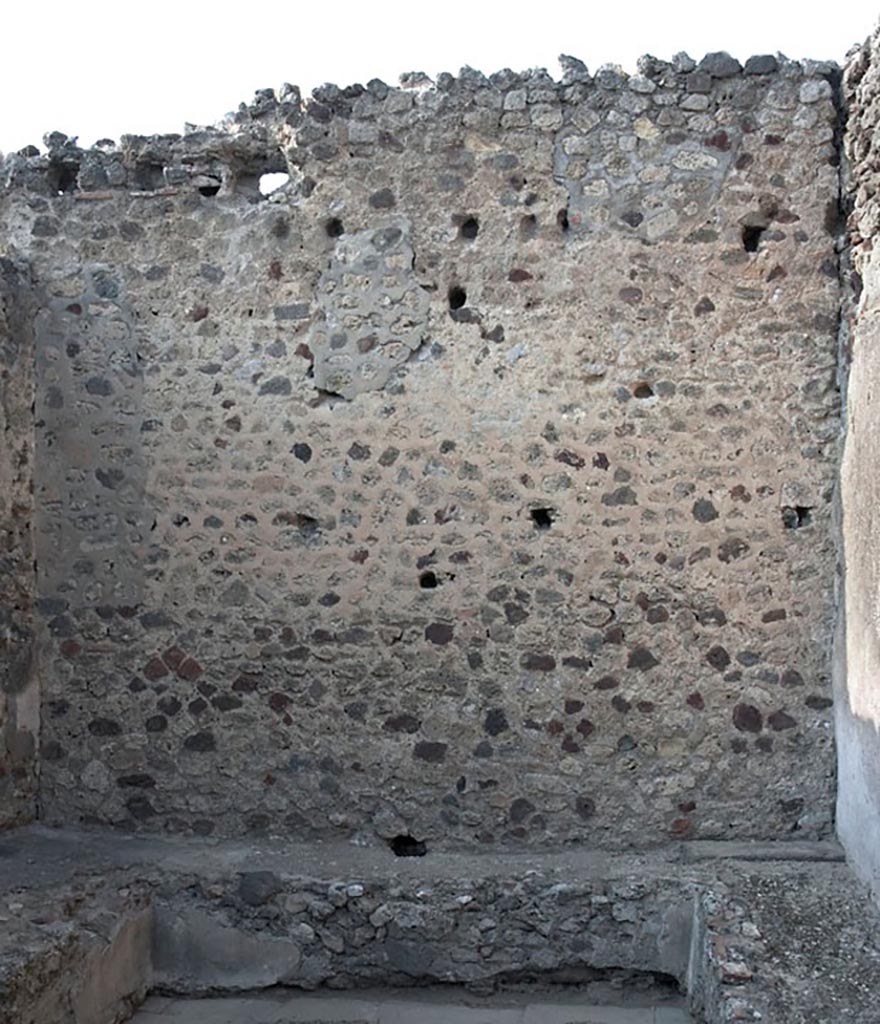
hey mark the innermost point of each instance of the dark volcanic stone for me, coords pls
(780, 720)
(704, 511)
(104, 727)
(642, 659)
(439, 633)
(718, 658)
(495, 722)
(720, 65)
(382, 200)
(538, 662)
(433, 752)
(520, 809)
(402, 723)
(258, 887)
(761, 64)
(276, 386)
(200, 742)
(747, 718)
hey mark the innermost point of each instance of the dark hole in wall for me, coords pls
(307, 525)
(528, 227)
(149, 177)
(643, 390)
(457, 297)
(63, 178)
(209, 190)
(258, 178)
(407, 846)
(543, 518)
(323, 396)
(751, 237)
(334, 227)
(836, 215)
(469, 228)
(562, 221)
(428, 580)
(796, 516)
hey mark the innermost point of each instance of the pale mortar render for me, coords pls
(457, 566)
(858, 684)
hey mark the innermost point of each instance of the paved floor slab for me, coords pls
(429, 1006)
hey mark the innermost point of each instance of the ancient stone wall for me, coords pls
(475, 486)
(858, 693)
(19, 698)
(754, 931)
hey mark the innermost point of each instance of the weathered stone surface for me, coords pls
(372, 310)
(346, 494)
(19, 696)
(116, 975)
(720, 65)
(780, 939)
(195, 951)
(258, 887)
(474, 490)
(761, 64)
(77, 952)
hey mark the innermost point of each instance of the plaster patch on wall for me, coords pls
(641, 180)
(91, 527)
(373, 312)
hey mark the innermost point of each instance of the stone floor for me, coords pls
(424, 1006)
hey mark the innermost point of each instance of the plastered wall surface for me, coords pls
(476, 485)
(19, 697)
(858, 696)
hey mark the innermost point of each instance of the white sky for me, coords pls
(99, 69)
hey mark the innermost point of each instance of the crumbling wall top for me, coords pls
(274, 132)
